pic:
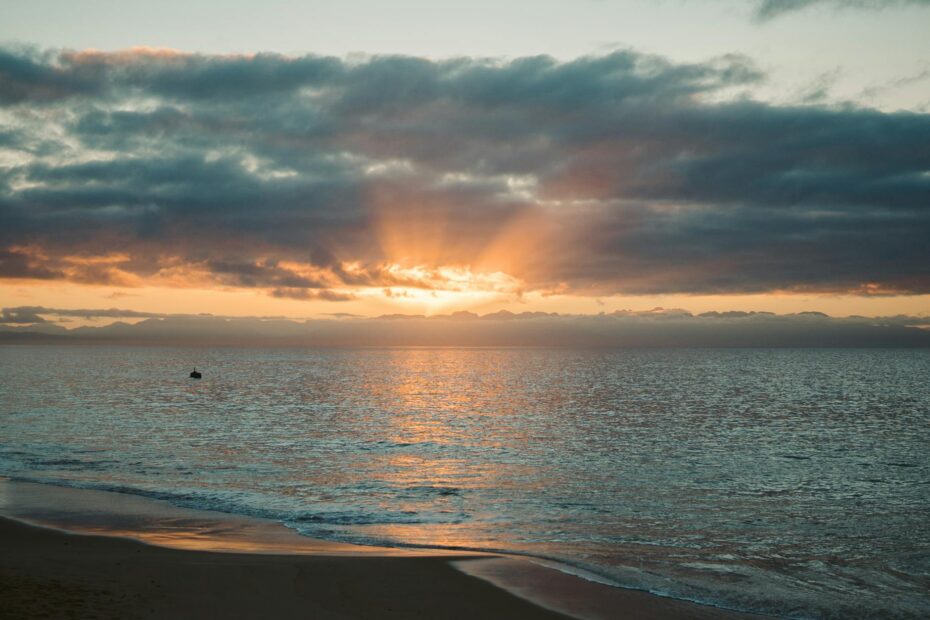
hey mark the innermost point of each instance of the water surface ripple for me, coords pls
(795, 482)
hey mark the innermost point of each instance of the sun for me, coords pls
(434, 290)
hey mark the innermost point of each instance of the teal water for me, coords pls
(790, 481)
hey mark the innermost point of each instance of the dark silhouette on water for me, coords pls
(195, 374)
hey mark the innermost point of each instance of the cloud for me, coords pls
(97, 313)
(18, 264)
(40, 312)
(20, 316)
(654, 328)
(769, 9)
(27, 75)
(311, 177)
(304, 294)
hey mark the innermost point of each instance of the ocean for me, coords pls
(794, 482)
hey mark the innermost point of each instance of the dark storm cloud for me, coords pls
(10, 139)
(28, 75)
(767, 9)
(628, 173)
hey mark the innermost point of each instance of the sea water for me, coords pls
(789, 481)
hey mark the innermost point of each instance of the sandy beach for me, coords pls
(45, 573)
(48, 572)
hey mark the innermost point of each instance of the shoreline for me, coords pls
(64, 540)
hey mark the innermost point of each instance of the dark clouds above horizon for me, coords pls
(621, 173)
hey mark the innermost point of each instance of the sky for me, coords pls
(314, 160)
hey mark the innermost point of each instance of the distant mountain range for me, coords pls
(654, 328)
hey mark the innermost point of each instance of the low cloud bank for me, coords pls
(654, 328)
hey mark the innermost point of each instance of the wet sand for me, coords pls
(91, 554)
(47, 573)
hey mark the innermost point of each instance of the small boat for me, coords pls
(195, 374)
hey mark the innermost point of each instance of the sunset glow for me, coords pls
(528, 309)
(158, 180)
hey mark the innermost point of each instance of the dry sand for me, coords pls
(45, 573)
